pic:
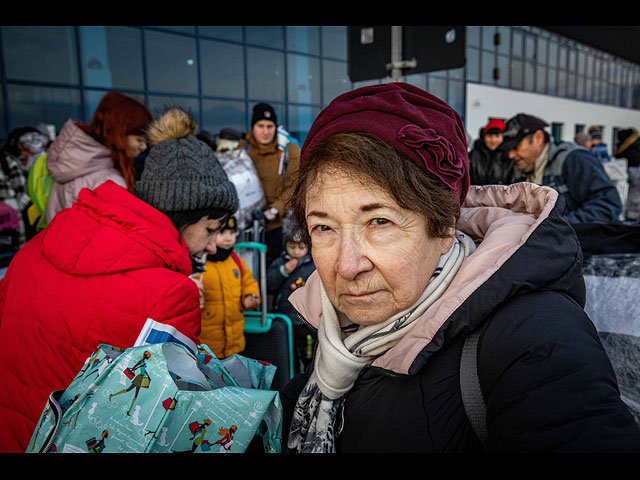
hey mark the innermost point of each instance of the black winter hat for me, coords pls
(263, 111)
(181, 172)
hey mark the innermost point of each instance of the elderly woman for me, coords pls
(413, 263)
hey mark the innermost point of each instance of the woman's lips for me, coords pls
(359, 295)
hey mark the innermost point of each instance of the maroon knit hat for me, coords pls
(414, 122)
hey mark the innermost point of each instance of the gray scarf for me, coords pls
(344, 352)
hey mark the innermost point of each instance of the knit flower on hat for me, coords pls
(436, 152)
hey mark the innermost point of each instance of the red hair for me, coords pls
(116, 117)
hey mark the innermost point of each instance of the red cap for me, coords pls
(494, 124)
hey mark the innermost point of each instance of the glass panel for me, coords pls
(529, 76)
(300, 120)
(529, 47)
(516, 80)
(571, 60)
(303, 39)
(303, 79)
(541, 78)
(541, 53)
(267, 36)
(159, 103)
(219, 114)
(334, 42)
(488, 38)
(222, 69)
(473, 36)
(572, 87)
(111, 57)
(171, 63)
(505, 40)
(503, 69)
(335, 80)
(582, 64)
(30, 106)
(588, 89)
(517, 44)
(437, 87)
(223, 32)
(553, 53)
(40, 54)
(265, 74)
(92, 99)
(473, 65)
(488, 64)
(552, 81)
(562, 57)
(455, 99)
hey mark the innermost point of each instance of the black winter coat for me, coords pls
(546, 379)
(490, 167)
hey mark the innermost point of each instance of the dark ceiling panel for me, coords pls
(621, 41)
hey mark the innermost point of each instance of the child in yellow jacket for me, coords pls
(228, 290)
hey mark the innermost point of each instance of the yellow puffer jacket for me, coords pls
(225, 285)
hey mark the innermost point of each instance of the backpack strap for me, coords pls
(236, 259)
(472, 397)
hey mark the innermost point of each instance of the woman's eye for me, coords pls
(320, 228)
(379, 221)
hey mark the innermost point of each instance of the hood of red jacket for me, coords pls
(109, 230)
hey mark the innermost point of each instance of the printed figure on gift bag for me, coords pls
(227, 438)
(97, 446)
(139, 381)
(199, 430)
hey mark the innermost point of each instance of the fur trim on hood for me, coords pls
(173, 124)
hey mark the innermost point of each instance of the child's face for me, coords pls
(226, 239)
(296, 249)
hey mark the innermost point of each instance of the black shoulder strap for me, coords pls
(472, 397)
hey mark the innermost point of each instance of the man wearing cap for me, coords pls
(488, 163)
(275, 168)
(598, 147)
(589, 193)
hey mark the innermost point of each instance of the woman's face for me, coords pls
(374, 257)
(136, 144)
(201, 237)
(493, 140)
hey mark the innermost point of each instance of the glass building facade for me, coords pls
(52, 73)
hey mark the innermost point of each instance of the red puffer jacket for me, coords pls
(93, 276)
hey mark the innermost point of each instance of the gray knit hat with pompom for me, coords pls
(181, 172)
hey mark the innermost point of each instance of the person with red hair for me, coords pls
(85, 156)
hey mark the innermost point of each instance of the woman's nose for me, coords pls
(211, 246)
(352, 259)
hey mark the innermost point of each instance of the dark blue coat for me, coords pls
(579, 177)
(284, 285)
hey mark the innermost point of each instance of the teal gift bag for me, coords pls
(162, 398)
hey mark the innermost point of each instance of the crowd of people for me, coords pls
(522, 149)
(397, 250)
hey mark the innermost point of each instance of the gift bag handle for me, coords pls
(57, 414)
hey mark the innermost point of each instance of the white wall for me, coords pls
(485, 101)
